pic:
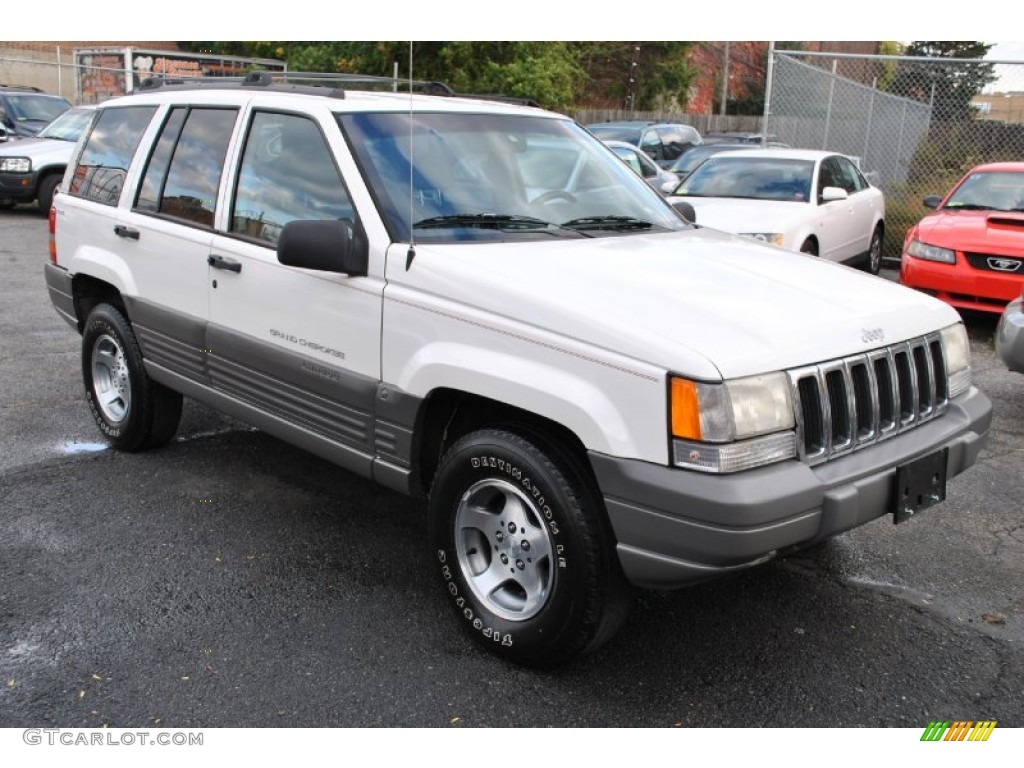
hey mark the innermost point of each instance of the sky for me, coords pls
(1011, 78)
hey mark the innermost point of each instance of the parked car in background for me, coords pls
(970, 251)
(801, 199)
(663, 181)
(744, 137)
(1010, 335)
(694, 156)
(24, 111)
(663, 142)
(30, 169)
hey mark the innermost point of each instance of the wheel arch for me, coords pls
(88, 291)
(448, 414)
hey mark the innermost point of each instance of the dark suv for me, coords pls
(25, 111)
(664, 142)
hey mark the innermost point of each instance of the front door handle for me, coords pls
(122, 231)
(222, 262)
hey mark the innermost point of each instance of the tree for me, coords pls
(638, 75)
(941, 79)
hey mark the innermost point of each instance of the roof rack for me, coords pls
(30, 88)
(330, 84)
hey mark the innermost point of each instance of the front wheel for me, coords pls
(810, 247)
(524, 550)
(132, 410)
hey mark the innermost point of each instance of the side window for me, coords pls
(183, 173)
(287, 173)
(852, 179)
(108, 153)
(829, 176)
(632, 161)
(153, 179)
(651, 144)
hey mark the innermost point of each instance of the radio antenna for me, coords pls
(411, 253)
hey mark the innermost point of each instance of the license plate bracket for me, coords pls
(919, 485)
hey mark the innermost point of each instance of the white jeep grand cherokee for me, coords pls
(481, 304)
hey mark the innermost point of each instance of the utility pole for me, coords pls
(725, 81)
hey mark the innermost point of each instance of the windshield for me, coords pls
(754, 178)
(989, 191)
(498, 177)
(35, 108)
(691, 158)
(69, 126)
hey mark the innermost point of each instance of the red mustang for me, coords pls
(970, 252)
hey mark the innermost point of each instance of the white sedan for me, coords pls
(804, 200)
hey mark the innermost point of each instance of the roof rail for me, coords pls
(331, 84)
(30, 88)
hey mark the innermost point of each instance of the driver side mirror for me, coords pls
(829, 194)
(686, 210)
(328, 246)
(4, 136)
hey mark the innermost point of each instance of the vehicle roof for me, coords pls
(781, 152)
(1008, 166)
(337, 100)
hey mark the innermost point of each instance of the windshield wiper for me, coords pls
(610, 223)
(504, 222)
(969, 207)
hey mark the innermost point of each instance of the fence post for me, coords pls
(871, 114)
(768, 91)
(831, 96)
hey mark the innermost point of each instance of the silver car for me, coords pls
(1010, 335)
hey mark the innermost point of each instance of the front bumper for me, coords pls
(18, 186)
(1010, 336)
(960, 284)
(676, 527)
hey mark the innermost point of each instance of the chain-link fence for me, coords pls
(91, 75)
(915, 125)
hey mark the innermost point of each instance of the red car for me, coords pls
(970, 252)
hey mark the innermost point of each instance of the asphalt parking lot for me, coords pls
(232, 580)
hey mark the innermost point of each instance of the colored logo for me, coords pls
(960, 730)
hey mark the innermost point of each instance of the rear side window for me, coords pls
(287, 173)
(108, 153)
(184, 170)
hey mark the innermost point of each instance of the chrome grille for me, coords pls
(845, 404)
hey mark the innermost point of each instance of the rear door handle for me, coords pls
(222, 262)
(122, 231)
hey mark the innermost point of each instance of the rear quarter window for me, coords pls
(108, 152)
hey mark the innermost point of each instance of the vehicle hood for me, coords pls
(977, 231)
(41, 151)
(737, 215)
(697, 302)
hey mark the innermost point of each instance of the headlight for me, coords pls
(931, 252)
(958, 358)
(733, 425)
(772, 238)
(16, 165)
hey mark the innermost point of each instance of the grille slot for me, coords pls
(845, 404)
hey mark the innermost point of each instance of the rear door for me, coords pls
(169, 229)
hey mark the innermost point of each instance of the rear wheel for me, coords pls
(132, 410)
(524, 550)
